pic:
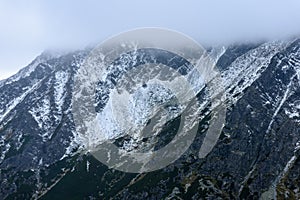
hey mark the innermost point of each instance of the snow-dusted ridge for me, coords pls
(248, 68)
(236, 78)
(18, 100)
(36, 118)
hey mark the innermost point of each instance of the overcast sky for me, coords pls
(27, 27)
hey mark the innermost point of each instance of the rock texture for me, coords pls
(257, 155)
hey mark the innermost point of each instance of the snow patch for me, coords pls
(61, 79)
(18, 100)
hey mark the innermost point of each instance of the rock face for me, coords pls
(256, 156)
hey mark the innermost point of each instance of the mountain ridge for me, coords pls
(262, 88)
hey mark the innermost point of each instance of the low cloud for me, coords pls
(29, 27)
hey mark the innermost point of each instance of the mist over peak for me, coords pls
(31, 27)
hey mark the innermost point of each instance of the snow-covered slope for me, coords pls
(262, 87)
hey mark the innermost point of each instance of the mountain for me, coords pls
(256, 155)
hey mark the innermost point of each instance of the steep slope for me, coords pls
(256, 155)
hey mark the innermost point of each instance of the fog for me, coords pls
(29, 27)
